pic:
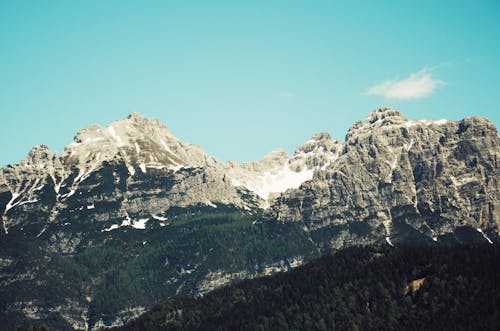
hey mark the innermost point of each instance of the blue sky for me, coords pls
(240, 78)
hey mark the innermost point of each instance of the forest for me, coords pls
(358, 288)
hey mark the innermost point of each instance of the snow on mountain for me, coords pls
(278, 172)
(138, 163)
(273, 174)
(141, 142)
(427, 177)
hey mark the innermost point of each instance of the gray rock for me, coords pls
(428, 176)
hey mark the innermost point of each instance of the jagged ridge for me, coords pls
(398, 179)
(177, 221)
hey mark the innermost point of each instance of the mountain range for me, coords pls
(128, 214)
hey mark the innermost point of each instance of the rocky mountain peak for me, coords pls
(138, 141)
(321, 142)
(88, 134)
(475, 125)
(124, 132)
(135, 116)
(278, 155)
(386, 114)
(38, 154)
(396, 176)
(139, 122)
(388, 121)
(321, 136)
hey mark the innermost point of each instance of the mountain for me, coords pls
(128, 214)
(359, 288)
(135, 169)
(277, 171)
(398, 180)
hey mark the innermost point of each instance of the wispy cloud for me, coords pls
(418, 85)
(287, 95)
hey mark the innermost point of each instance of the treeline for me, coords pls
(359, 288)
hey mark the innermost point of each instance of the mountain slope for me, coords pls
(127, 214)
(398, 180)
(121, 273)
(81, 228)
(117, 170)
(370, 288)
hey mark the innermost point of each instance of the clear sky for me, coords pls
(240, 78)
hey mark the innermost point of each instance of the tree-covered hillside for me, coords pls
(119, 276)
(359, 288)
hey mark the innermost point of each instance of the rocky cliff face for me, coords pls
(401, 180)
(128, 215)
(136, 168)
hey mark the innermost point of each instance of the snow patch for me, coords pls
(388, 240)
(275, 181)
(41, 232)
(211, 204)
(159, 218)
(11, 203)
(57, 186)
(38, 188)
(127, 221)
(175, 168)
(143, 167)
(67, 195)
(116, 137)
(166, 146)
(112, 227)
(410, 145)
(154, 166)
(140, 224)
(430, 122)
(27, 201)
(82, 175)
(92, 206)
(387, 225)
(484, 235)
(410, 124)
(137, 148)
(34, 184)
(131, 170)
(462, 180)
(93, 140)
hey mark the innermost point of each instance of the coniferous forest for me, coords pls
(359, 288)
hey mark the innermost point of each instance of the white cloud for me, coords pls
(418, 85)
(287, 95)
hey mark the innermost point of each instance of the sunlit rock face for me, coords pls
(136, 166)
(398, 179)
(128, 214)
